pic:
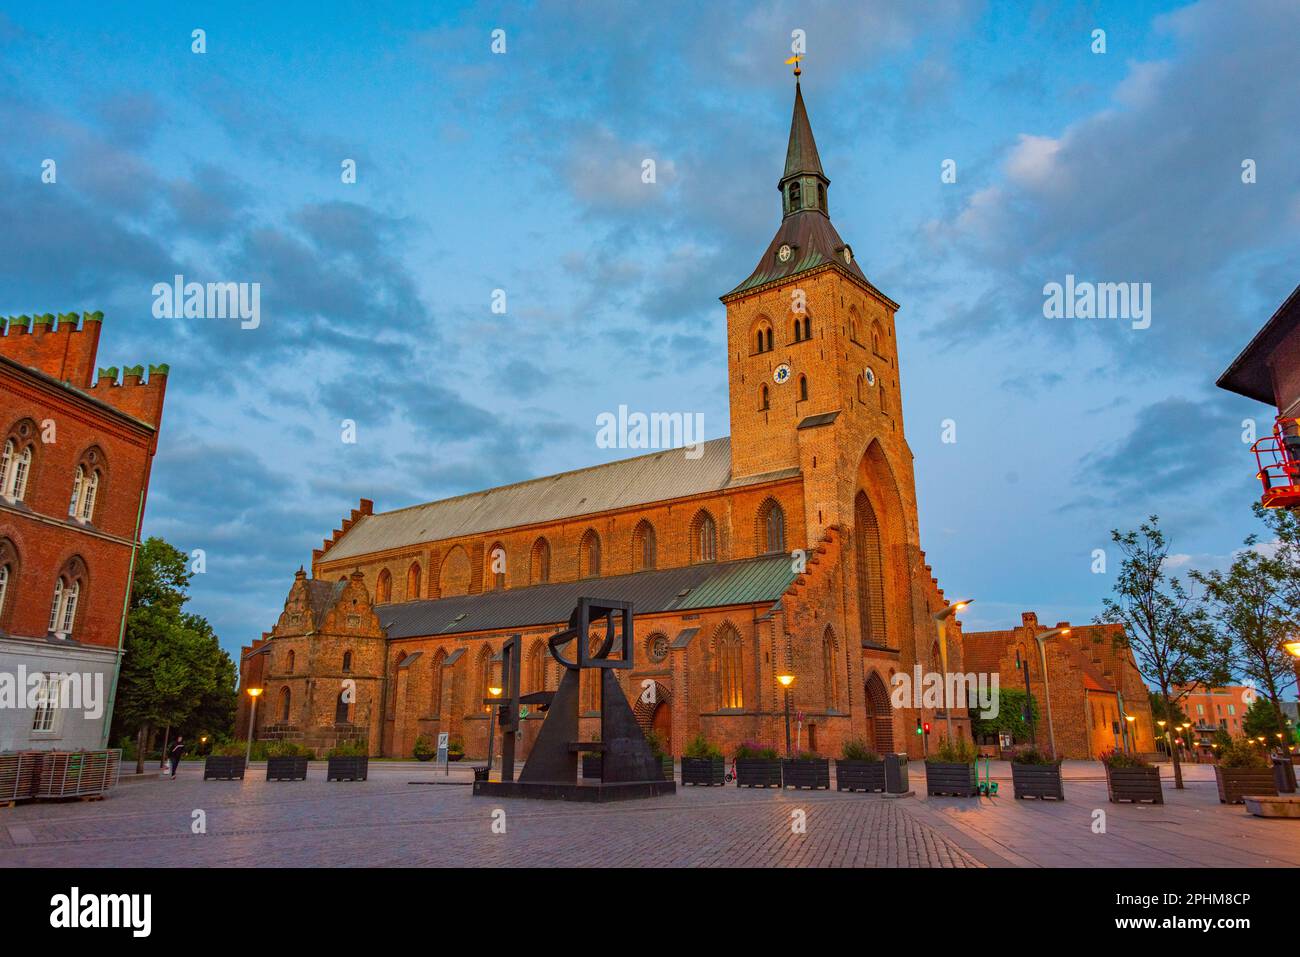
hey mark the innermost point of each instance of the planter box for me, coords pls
(223, 767)
(706, 772)
(859, 775)
(292, 768)
(77, 773)
(19, 773)
(1236, 783)
(813, 774)
(1134, 784)
(958, 780)
(758, 773)
(347, 769)
(1037, 781)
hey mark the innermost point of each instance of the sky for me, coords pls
(521, 171)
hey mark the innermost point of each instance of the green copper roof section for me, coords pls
(801, 155)
(743, 583)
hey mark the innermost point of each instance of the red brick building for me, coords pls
(1213, 709)
(75, 455)
(1093, 685)
(790, 546)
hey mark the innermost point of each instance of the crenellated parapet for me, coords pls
(135, 395)
(63, 347)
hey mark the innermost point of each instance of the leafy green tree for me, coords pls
(1172, 713)
(1245, 606)
(173, 668)
(1263, 718)
(1166, 628)
(1010, 718)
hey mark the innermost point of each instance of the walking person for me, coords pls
(178, 748)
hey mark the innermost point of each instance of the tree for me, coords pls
(1172, 713)
(1010, 719)
(1262, 718)
(1252, 622)
(1164, 626)
(173, 668)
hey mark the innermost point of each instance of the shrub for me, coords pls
(1121, 759)
(1240, 753)
(956, 752)
(807, 756)
(237, 749)
(288, 749)
(700, 747)
(1033, 756)
(855, 749)
(656, 742)
(352, 748)
(455, 746)
(423, 747)
(749, 750)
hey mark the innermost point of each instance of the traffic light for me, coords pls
(927, 727)
(918, 726)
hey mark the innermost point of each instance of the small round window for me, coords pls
(657, 647)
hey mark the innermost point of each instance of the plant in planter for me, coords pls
(656, 742)
(1243, 769)
(807, 769)
(703, 763)
(757, 766)
(226, 763)
(286, 761)
(858, 768)
(455, 750)
(952, 769)
(348, 761)
(423, 750)
(1034, 774)
(1131, 778)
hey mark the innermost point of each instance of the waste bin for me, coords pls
(1284, 775)
(896, 774)
(480, 774)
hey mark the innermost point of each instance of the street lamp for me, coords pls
(1047, 692)
(1131, 720)
(786, 681)
(492, 717)
(1165, 734)
(941, 621)
(253, 693)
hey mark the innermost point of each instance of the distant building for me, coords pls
(1213, 709)
(1094, 685)
(76, 451)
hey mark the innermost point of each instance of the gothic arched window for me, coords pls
(796, 196)
(539, 568)
(704, 538)
(829, 676)
(589, 555)
(763, 401)
(731, 693)
(413, 581)
(68, 592)
(383, 587)
(643, 546)
(772, 527)
(803, 388)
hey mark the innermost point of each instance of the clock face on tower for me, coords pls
(781, 374)
(783, 253)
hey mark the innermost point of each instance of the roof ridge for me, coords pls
(539, 478)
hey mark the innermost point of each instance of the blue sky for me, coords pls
(521, 171)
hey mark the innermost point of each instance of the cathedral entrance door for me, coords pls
(661, 723)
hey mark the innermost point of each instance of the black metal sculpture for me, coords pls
(628, 766)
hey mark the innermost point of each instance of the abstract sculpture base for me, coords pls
(594, 792)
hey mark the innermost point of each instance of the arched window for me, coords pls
(763, 402)
(435, 683)
(78, 478)
(383, 588)
(731, 693)
(871, 572)
(539, 563)
(589, 554)
(830, 683)
(643, 546)
(796, 196)
(8, 580)
(704, 538)
(496, 570)
(880, 387)
(17, 467)
(288, 662)
(771, 520)
(821, 198)
(486, 677)
(535, 675)
(803, 388)
(807, 327)
(763, 336)
(284, 705)
(413, 581)
(67, 596)
(802, 328)
(877, 339)
(347, 661)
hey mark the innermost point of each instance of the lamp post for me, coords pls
(941, 621)
(1042, 640)
(253, 693)
(786, 681)
(492, 718)
(1165, 734)
(1129, 721)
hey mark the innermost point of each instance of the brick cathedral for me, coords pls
(791, 546)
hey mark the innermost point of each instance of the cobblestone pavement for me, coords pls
(389, 820)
